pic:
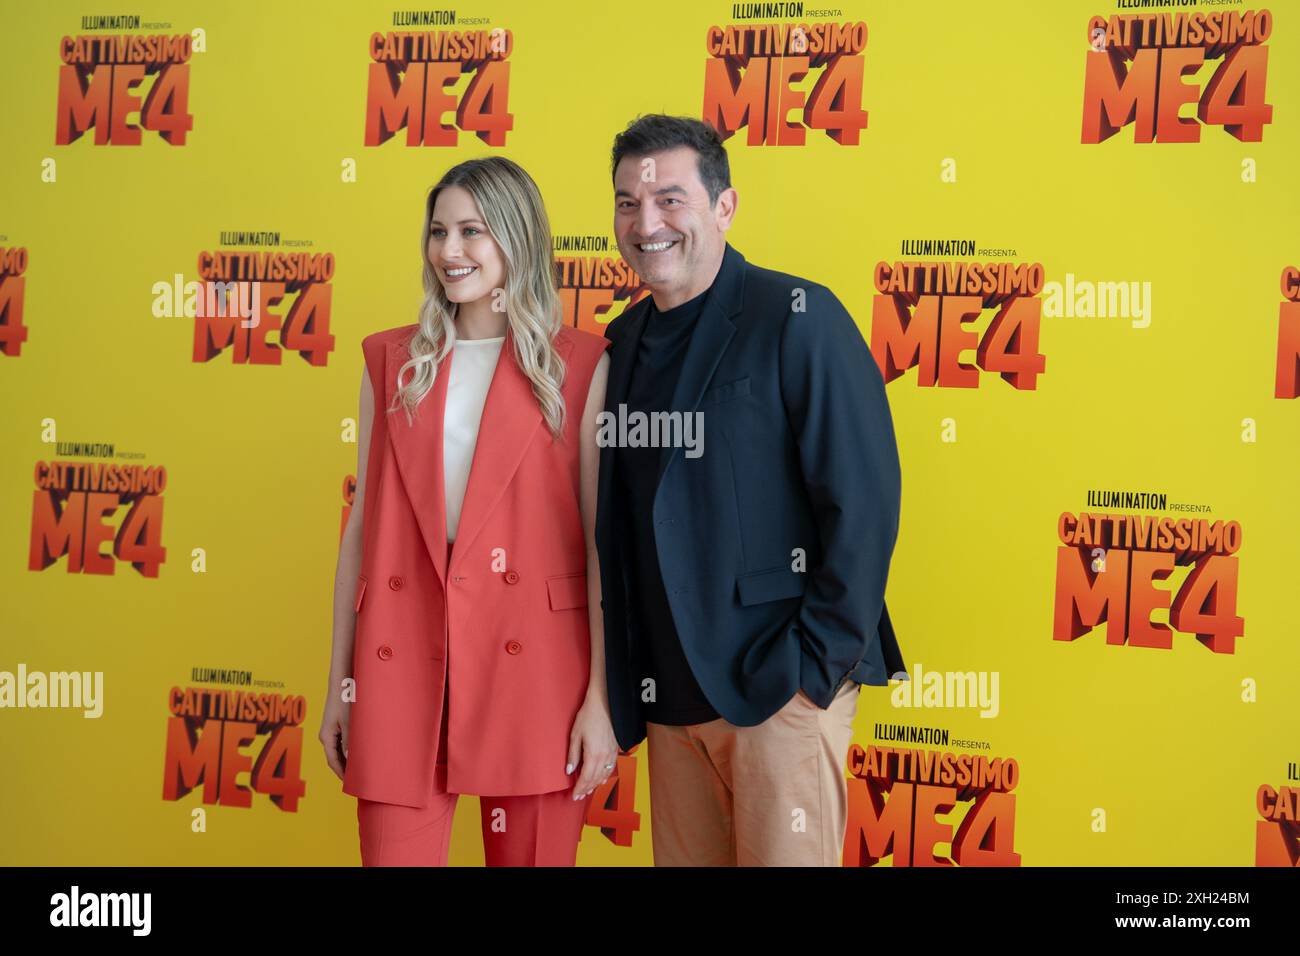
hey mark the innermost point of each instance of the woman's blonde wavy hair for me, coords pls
(512, 207)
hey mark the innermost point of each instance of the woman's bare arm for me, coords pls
(334, 720)
(590, 468)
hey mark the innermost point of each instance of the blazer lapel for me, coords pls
(511, 419)
(713, 330)
(418, 450)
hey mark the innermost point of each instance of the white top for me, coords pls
(472, 367)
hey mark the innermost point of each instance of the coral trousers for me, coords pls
(530, 830)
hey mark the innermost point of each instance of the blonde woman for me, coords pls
(468, 649)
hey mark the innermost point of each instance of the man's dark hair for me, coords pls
(656, 132)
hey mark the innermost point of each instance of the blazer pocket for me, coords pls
(723, 393)
(361, 592)
(771, 585)
(567, 591)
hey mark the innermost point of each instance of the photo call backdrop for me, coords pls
(1066, 230)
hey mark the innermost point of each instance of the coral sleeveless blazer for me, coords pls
(501, 626)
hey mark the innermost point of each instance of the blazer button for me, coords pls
(395, 583)
(513, 647)
(385, 652)
(512, 577)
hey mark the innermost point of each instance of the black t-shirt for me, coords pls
(657, 650)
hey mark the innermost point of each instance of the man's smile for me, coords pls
(663, 246)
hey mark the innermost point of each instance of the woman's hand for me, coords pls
(592, 746)
(334, 731)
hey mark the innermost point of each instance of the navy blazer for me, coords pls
(798, 459)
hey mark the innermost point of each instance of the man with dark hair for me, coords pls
(743, 580)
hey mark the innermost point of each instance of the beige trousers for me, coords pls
(769, 795)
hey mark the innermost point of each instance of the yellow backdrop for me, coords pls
(1125, 755)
